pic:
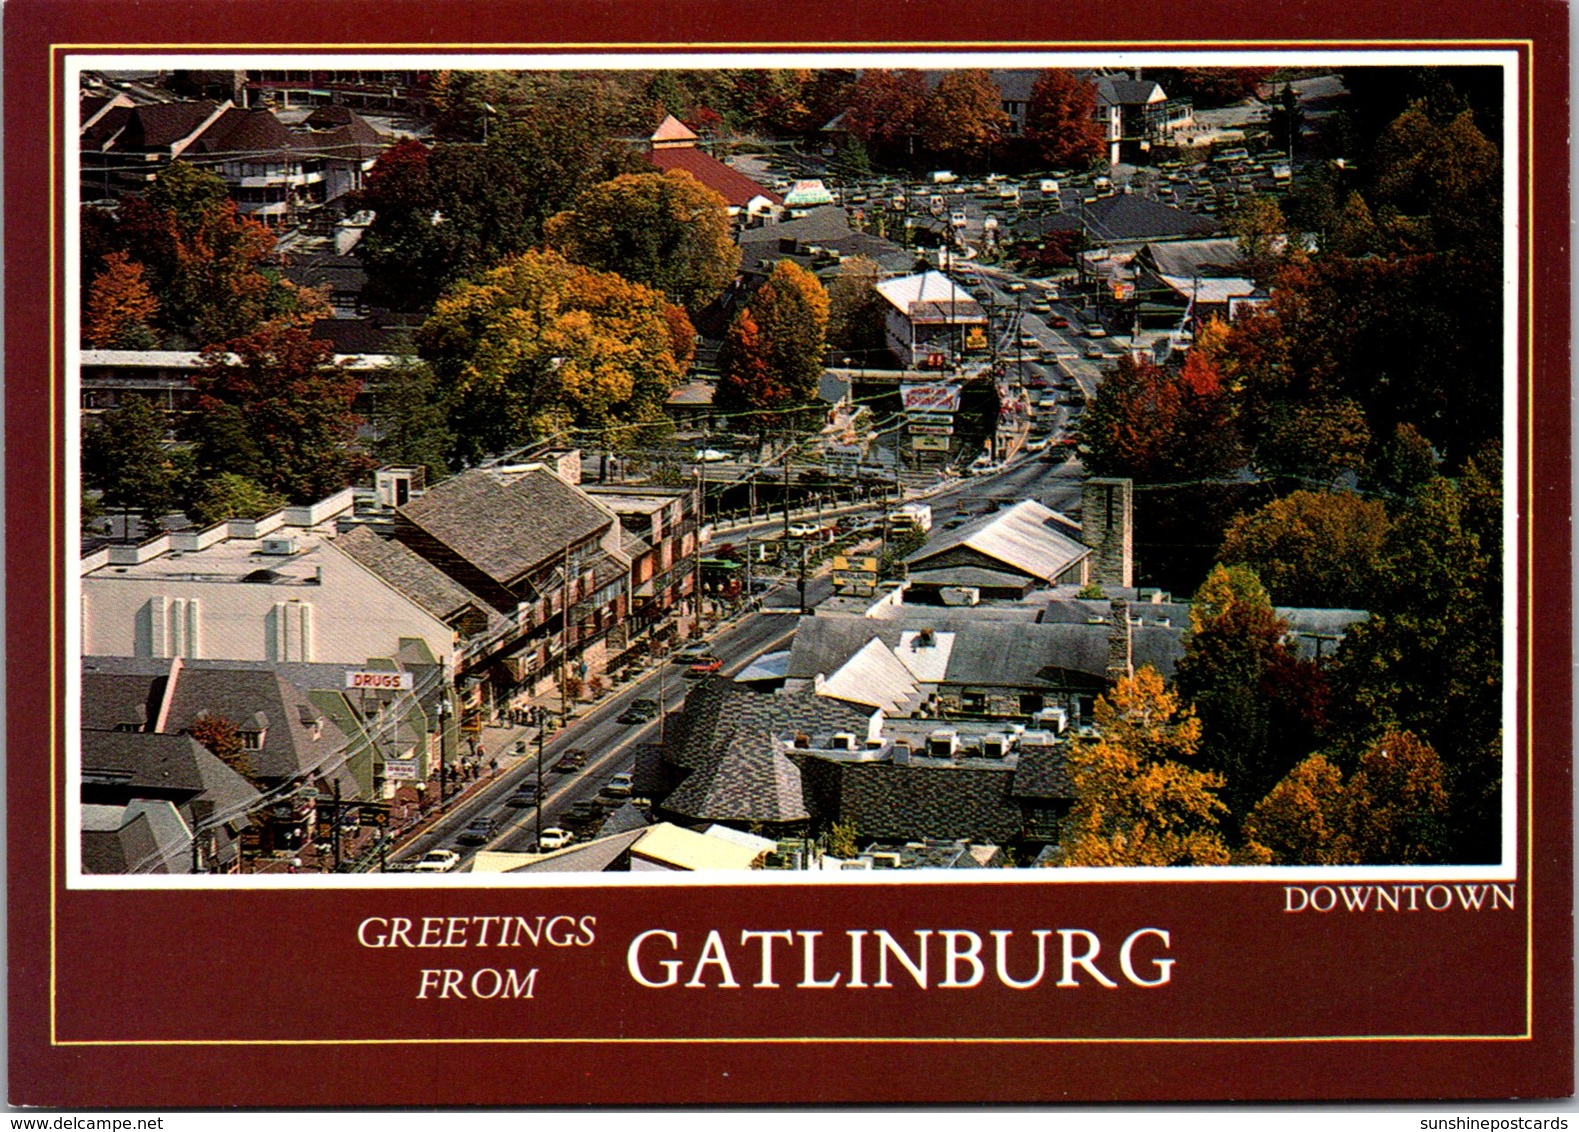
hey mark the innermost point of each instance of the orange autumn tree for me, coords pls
(121, 307)
(1392, 810)
(1137, 801)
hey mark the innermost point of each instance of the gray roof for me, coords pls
(115, 699)
(597, 856)
(969, 576)
(143, 837)
(506, 527)
(725, 737)
(1027, 538)
(239, 694)
(1124, 91)
(1306, 626)
(1042, 772)
(1126, 217)
(1210, 259)
(623, 820)
(900, 802)
(412, 575)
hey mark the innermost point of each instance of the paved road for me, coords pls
(610, 746)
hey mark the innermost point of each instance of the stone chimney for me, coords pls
(1120, 645)
(1107, 527)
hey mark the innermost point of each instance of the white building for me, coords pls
(928, 318)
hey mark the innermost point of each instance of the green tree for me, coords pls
(1260, 705)
(665, 230)
(1060, 120)
(1138, 801)
(841, 840)
(855, 309)
(1402, 466)
(1318, 549)
(1440, 183)
(538, 345)
(293, 404)
(229, 496)
(127, 460)
(409, 424)
(1429, 658)
(1261, 231)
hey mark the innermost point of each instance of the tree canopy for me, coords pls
(1138, 801)
(539, 344)
(1318, 549)
(665, 230)
(1060, 120)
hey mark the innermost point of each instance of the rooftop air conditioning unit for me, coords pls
(280, 546)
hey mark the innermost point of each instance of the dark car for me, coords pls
(573, 759)
(583, 813)
(525, 795)
(478, 832)
(639, 711)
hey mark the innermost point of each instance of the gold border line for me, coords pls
(1525, 49)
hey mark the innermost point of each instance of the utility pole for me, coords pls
(749, 591)
(539, 845)
(564, 645)
(335, 827)
(787, 452)
(701, 517)
(803, 549)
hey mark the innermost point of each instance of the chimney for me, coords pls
(1107, 527)
(1120, 647)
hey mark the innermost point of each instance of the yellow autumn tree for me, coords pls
(1137, 801)
(539, 344)
(121, 307)
(1392, 810)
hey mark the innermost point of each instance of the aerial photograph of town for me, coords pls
(757, 470)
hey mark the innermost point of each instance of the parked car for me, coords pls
(619, 786)
(480, 830)
(583, 813)
(573, 759)
(438, 861)
(554, 838)
(705, 666)
(804, 530)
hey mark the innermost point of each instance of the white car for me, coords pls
(711, 456)
(438, 861)
(554, 838)
(805, 530)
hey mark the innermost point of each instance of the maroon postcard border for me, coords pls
(651, 1065)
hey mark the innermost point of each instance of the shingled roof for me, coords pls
(901, 802)
(413, 576)
(1027, 538)
(736, 188)
(255, 134)
(506, 528)
(239, 695)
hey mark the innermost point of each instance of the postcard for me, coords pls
(563, 559)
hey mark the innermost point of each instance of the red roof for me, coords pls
(736, 188)
(672, 129)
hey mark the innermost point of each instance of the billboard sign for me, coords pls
(936, 397)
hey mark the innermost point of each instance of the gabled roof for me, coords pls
(873, 677)
(176, 767)
(412, 575)
(255, 134)
(931, 296)
(736, 188)
(140, 838)
(1126, 216)
(506, 528)
(1217, 257)
(160, 125)
(1027, 538)
(289, 750)
(679, 848)
(1126, 91)
(671, 129)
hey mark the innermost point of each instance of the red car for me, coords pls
(1058, 322)
(706, 666)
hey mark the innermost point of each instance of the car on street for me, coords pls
(554, 838)
(480, 830)
(804, 530)
(1029, 342)
(1095, 331)
(1058, 322)
(619, 786)
(583, 813)
(1041, 308)
(705, 666)
(437, 861)
(525, 795)
(689, 653)
(573, 759)
(639, 711)
(1095, 351)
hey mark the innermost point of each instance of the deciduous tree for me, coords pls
(408, 418)
(746, 381)
(1259, 704)
(884, 110)
(292, 402)
(230, 496)
(791, 310)
(1137, 799)
(665, 230)
(1312, 548)
(126, 459)
(121, 307)
(1060, 120)
(539, 344)
(1155, 424)
(963, 118)
(223, 740)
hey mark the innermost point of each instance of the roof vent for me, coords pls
(278, 546)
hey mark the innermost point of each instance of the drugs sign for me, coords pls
(369, 681)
